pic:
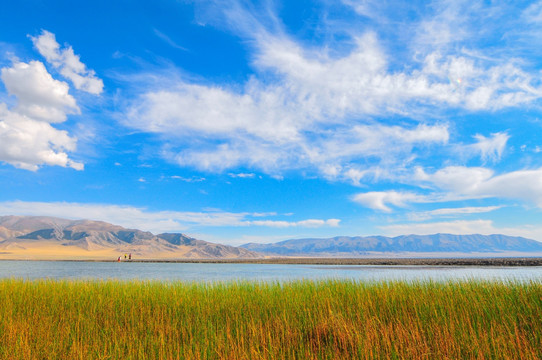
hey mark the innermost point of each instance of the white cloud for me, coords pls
(454, 183)
(478, 182)
(462, 227)
(310, 223)
(464, 210)
(488, 148)
(155, 221)
(491, 148)
(27, 138)
(242, 175)
(533, 13)
(265, 134)
(308, 109)
(39, 96)
(168, 40)
(368, 8)
(457, 179)
(188, 180)
(379, 200)
(68, 63)
(245, 239)
(448, 24)
(451, 212)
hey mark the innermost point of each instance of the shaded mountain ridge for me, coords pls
(27, 232)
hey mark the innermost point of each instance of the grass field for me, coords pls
(298, 320)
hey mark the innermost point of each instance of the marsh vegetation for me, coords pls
(251, 320)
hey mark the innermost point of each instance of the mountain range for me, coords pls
(346, 246)
(38, 237)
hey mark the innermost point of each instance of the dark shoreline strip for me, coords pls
(357, 261)
(525, 261)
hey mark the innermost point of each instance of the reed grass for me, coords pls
(246, 320)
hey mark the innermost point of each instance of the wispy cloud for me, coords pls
(242, 175)
(462, 227)
(381, 200)
(168, 40)
(454, 183)
(450, 212)
(478, 182)
(311, 223)
(189, 180)
(491, 148)
(533, 13)
(307, 109)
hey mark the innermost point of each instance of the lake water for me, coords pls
(256, 272)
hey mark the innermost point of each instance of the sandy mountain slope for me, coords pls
(34, 237)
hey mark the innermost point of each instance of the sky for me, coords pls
(239, 121)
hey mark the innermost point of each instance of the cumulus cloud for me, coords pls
(155, 221)
(39, 96)
(27, 143)
(27, 138)
(68, 63)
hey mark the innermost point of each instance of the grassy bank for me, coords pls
(304, 320)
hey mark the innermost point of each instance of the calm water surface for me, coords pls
(258, 272)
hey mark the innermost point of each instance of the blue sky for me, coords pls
(237, 122)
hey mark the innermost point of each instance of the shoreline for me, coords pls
(504, 262)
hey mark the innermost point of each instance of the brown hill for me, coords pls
(37, 237)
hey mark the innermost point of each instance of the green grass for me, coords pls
(244, 320)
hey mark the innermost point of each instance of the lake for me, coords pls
(209, 272)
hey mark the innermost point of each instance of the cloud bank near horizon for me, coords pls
(155, 221)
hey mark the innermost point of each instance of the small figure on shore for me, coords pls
(125, 256)
(118, 259)
(130, 256)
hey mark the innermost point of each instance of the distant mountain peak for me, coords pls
(364, 245)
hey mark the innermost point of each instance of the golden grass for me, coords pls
(245, 320)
